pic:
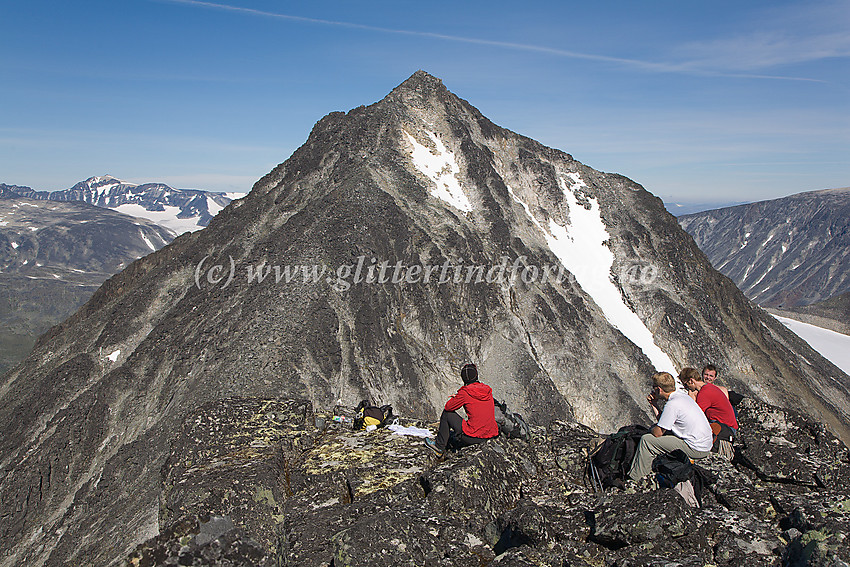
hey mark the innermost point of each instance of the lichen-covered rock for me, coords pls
(737, 488)
(785, 446)
(213, 541)
(817, 527)
(736, 538)
(624, 520)
(540, 525)
(487, 480)
(271, 482)
(570, 444)
(552, 556)
(387, 539)
(818, 548)
(231, 459)
(225, 480)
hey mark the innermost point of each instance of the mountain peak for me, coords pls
(102, 178)
(421, 79)
(420, 85)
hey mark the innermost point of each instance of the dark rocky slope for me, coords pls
(89, 417)
(782, 253)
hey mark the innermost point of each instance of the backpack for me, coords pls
(672, 468)
(610, 461)
(366, 414)
(676, 467)
(512, 425)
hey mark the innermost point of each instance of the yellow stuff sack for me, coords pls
(368, 420)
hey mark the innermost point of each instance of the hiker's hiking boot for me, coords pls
(432, 444)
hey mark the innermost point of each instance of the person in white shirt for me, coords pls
(682, 425)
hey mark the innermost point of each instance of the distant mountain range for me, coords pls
(179, 210)
(680, 209)
(56, 248)
(782, 253)
(53, 256)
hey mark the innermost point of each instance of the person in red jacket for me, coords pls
(477, 401)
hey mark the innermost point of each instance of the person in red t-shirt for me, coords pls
(709, 375)
(709, 398)
(477, 401)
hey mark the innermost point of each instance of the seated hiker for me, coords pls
(709, 398)
(477, 401)
(709, 375)
(717, 408)
(682, 418)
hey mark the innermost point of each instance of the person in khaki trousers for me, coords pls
(682, 425)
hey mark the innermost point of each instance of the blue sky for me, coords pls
(697, 101)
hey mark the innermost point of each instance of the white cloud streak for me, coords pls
(785, 36)
(768, 49)
(705, 66)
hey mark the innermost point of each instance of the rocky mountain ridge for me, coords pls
(782, 253)
(179, 210)
(419, 180)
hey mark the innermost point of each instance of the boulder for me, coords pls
(781, 445)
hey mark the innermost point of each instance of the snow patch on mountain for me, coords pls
(147, 241)
(582, 250)
(213, 207)
(167, 218)
(442, 169)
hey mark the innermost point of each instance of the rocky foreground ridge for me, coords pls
(269, 482)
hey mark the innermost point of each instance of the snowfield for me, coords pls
(833, 346)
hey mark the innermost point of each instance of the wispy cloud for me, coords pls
(703, 66)
(782, 36)
(767, 49)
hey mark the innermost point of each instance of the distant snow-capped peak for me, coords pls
(179, 210)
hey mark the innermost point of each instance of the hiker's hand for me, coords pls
(653, 398)
(655, 409)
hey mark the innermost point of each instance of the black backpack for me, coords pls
(675, 467)
(367, 414)
(610, 461)
(672, 468)
(512, 425)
